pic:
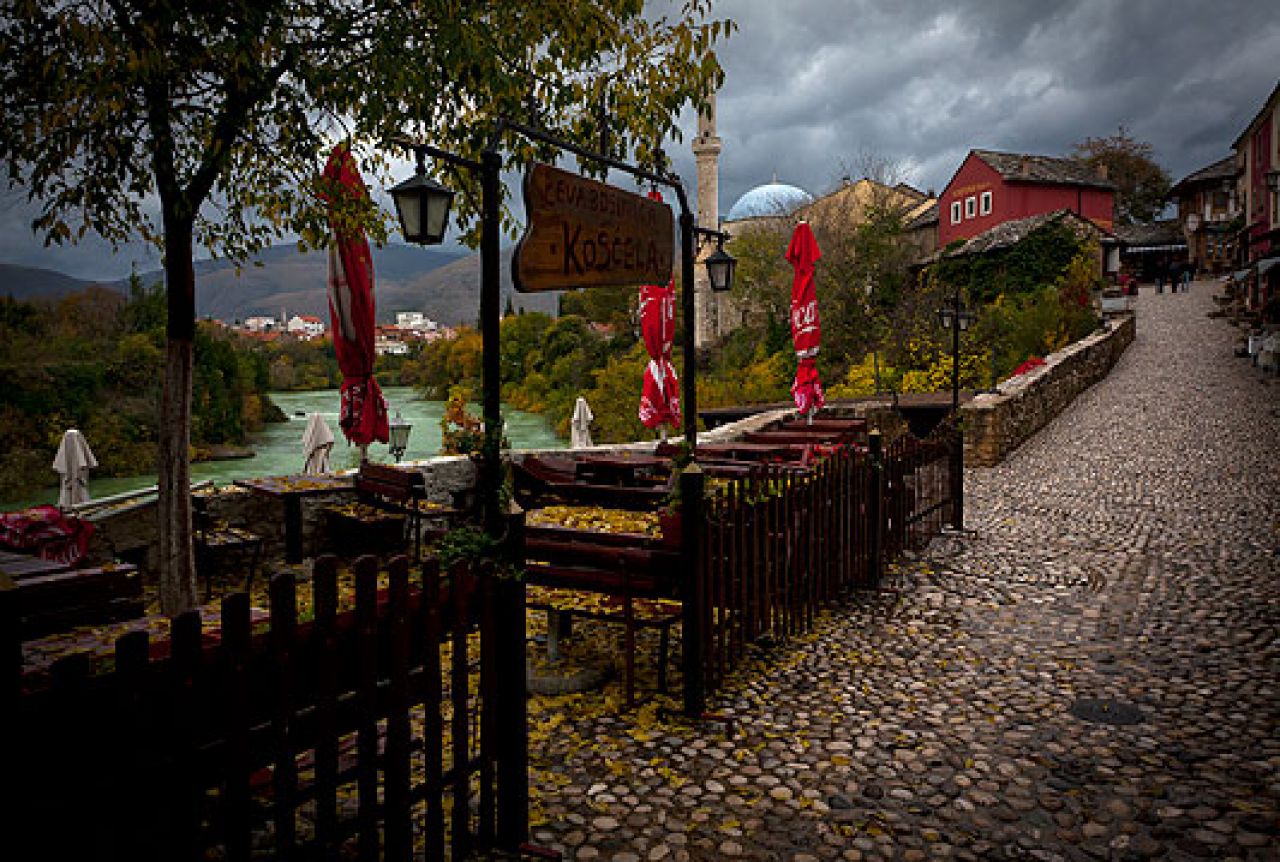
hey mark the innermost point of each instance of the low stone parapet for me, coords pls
(995, 424)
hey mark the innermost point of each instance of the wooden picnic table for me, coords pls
(290, 490)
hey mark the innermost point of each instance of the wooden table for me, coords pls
(290, 490)
(617, 470)
(19, 566)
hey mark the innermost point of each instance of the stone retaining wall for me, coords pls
(995, 424)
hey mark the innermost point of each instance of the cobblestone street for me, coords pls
(1093, 674)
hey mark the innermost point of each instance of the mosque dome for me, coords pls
(770, 199)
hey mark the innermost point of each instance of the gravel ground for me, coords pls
(1093, 673)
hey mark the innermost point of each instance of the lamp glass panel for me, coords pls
(409, 207)
(437, 203)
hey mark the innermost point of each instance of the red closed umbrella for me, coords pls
(806, 333)
(660, 397)
(363, 415)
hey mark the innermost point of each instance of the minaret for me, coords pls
(706, 150)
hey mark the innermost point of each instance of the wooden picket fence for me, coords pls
(779, 545)
(352, 734)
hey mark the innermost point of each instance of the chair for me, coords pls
(216, 541)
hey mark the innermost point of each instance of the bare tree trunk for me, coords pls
(177, 559)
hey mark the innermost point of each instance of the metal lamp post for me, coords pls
(398, 436)
(956, 318)
(423, 208)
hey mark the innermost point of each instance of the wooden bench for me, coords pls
(387, 514)
(45, 604)
(636, 572)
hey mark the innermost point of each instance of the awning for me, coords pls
(1153, 249)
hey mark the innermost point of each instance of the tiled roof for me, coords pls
(1013, 232)
(1214, 173)
(924, 218)
(1165, 232)
(1023, 168)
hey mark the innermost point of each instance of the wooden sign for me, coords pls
(584, 233)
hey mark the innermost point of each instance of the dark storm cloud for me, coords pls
(812, 85)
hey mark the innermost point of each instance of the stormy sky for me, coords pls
(814, 87)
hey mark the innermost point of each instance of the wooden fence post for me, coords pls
(875, 507)
(692, 525)
(511, 694)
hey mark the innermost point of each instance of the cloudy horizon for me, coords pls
(815, 87)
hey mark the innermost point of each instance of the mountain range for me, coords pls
(442, 283)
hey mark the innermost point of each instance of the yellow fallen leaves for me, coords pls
(595, 519)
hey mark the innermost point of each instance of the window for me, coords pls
(955, 212)
(970, 207)
(984, 204)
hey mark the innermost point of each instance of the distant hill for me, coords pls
(443, 283)
(29, 282)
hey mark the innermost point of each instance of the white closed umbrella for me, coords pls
(580, 425)
(73, 461)
(317, 443)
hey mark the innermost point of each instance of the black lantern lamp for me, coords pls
(720, 264)
(423, 206)
(398, 436)
(720, 267)
(955, 316)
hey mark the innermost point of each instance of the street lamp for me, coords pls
(398, 436)
(720, 264)
(956, 318)
(423, 206)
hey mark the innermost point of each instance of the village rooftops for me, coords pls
(1011, 233)
(1024, 168)
(1224, 169)
(1158, 236)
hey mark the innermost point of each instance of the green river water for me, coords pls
(278, 447)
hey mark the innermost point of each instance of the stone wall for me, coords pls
(995, 424)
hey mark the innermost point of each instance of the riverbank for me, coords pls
(277, 449)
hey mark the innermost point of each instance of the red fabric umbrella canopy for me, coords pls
(660, 397)
(806, 333)
(363, 416)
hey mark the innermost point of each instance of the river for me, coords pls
(278, 447)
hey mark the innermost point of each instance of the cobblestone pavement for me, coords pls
(1125, 567)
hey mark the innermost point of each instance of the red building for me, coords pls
(1258, 172)
(993, 188)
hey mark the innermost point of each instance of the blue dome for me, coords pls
(771, 199)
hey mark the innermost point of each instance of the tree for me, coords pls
(1141, 184)
(223, 113)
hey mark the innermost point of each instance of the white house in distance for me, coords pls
(261, 324)
(305, 326)
(415, 320)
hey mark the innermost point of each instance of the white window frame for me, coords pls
(955, 212)
(984, 204)
(970, 206)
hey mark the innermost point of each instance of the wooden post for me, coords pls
(511, 683)
(692, 523)
(284, 631)
(875, 508)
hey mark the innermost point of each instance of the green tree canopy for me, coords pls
(224, 112)
(1141, 184)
